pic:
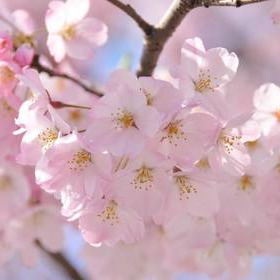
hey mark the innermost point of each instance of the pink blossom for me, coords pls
(122, 120)
(161, 95)
(24, 55)
(6, 46)
(145, 180)
(33, 225)
(14, 190)
(230, 152)
(267, 113)
(70, 33)
(203, 74)
(107, 220)
(187, 136)
(71, 172)
(191, 195)
(8, 80)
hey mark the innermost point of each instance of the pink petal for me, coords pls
(192, 54)
(56, 47)
(267, 98)
(76, 10)
(55, 16)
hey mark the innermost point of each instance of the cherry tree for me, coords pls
(156, 169)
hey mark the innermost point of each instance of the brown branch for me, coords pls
(229, 3)
(71, 271)
(52, 73)
(60, 260)
(156, 40)
(130, 11)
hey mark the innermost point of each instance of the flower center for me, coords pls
(123, 119)
(47, 137)
(7, 75)
(5, 182)
(203, 163)
(149, 97)
(205, 82)
(229, 141)
(278, 167)
(68, 32)
(80, 160)
(3, 43)
(110, 214)
(143, 179)
(21, 38)
(75, 115)
(174, 132)
(246, 183)
(185, 187)
(252, 145)
(6, 107)
(277, 115)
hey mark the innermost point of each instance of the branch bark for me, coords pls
(71, 271)
(52, 73)
(130, 11)
(156, 40)
(154, 43)
(229, 3)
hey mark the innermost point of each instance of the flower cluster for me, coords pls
(165, 172)
(28, 215)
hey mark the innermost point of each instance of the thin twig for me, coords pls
(41, 68)
(130, 11)
(60, 260)
(155, 42)
(58, 105)
(66, 265)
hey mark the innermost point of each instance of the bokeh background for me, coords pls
(248, 31)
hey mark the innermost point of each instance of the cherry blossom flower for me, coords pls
(36, 224)
(8, 80)
(187, 136)
(230, 152)
(107, 220)
(122, 120)
(6, 46)
(203, 74)
(70, 33)
(145, 181)
(267, 113)
(14, 190)
(86, 172)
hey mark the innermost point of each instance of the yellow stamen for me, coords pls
(185, 187)
(69, 32)
(143, 179)
(205, 82)
(246, 183)
(5, 182)
(110, 214)
(47, 137)
(80, 160)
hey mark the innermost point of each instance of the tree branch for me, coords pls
(155, 41)
(41, 68)
(229, 3)
(130, 11)
(59, 259)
